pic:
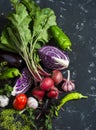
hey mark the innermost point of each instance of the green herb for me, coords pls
(49, 118)
(28, 30)
(10, 119)
(6, 89)
(31, 118)
(3, 67)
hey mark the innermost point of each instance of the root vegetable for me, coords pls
(53, 93)
(46, 84)
(57, 76)
(38, 93)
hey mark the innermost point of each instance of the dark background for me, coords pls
(77, 18)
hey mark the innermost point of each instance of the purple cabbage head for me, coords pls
(23, 83)
(53, 58)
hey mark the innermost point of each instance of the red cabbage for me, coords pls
(23, 83)
(53, 58)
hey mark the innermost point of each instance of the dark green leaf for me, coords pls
(31, 7)
(44, 19)
(20, 20)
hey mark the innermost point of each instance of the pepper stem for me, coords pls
(69, 49)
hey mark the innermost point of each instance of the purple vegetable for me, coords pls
(23, 83)
(53, 58)
(12, 59)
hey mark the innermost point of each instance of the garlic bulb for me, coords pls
(68, 85)
(4, 100)
(32, 103)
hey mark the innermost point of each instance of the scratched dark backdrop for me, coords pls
(77, 18)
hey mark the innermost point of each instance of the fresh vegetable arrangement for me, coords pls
(31, 69)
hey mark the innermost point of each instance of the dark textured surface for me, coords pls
(78, 19)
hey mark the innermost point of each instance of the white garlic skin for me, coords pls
(68, 86)
(4, 100)
(32, 103)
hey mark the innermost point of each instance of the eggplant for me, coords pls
(12, 59)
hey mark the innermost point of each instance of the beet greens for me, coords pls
(27, 31)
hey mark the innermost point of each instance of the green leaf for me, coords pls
(6, 89)
(17, 34)
(31, 7)
(5, 42)
(20, 20)
(49, 118)
(44, 19)
(14, 1)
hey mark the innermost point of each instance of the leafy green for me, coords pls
(6, 89)
(3, 67)
(10, 119)
(27, 31)
(49, 118)
(42, 22)
(31, 117)
(31, 7)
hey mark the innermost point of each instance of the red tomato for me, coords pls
(20, 101)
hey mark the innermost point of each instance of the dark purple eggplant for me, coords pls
(12, 59)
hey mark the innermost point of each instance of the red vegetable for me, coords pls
(20, 101)
(57, 76)
(46, 83)
(53, 93)
(38, 93)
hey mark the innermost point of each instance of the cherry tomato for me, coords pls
(20, 101)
